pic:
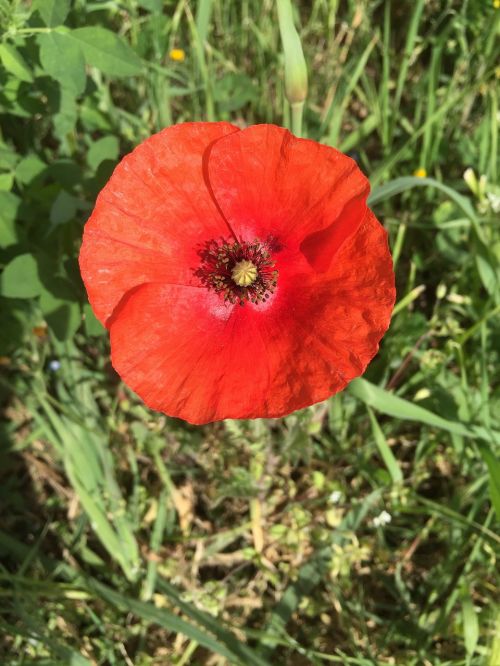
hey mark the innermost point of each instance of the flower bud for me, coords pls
(471, 180)
(295, 64)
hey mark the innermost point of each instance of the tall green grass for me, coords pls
(359, 531)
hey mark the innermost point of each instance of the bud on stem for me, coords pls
(295, 64)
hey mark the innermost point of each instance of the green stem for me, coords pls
(297, 112)
(29, 31)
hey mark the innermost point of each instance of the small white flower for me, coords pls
(54, 365)
(335, 497)
(382, 519)
(494, 200)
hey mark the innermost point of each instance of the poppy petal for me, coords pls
(268, 182)
(341, 316)
(188, 354)
(152, 216)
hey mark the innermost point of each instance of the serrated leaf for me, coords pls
(20, 278)
(106, 51)
(62, 58)
(53, 12)
(14, 63)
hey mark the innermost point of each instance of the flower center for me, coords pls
(240, 272)
(244, 273)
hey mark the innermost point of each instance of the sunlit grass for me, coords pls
(359, 531)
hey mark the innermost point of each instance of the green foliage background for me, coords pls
(358, 531)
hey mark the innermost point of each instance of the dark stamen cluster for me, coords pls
(218, 260)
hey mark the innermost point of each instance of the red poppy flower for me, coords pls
(239, 272)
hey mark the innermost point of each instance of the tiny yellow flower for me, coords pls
(420, 173)
(496, 4)
(177, 55)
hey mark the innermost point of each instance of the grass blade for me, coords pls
(384, 449)
(392, 405)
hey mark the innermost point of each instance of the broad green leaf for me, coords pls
(29, 168)
(66, 172)
(62, 58)
(106, 51)
(65, 119)
(9, 203)
(20, 278)
(63, 209)
(106, 148)
(53, 12)
(6, 181)
(14, 63)
(8, 157)
(92, 118)
(151, 5)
